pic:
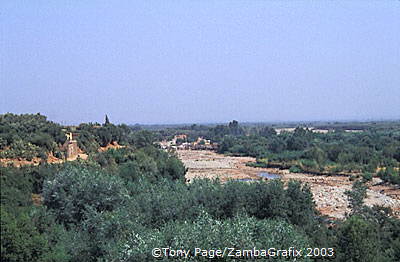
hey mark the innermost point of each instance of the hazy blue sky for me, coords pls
(200, 61)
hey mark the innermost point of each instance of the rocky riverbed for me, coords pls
(329, 191)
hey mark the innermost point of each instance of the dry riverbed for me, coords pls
(328, 191)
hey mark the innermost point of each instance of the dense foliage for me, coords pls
(121, 203)
(334, 152)
(106, 215)
(28, 136)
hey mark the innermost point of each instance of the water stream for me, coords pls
(262, 175)
(268, 175)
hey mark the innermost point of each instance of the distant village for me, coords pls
(180, 142)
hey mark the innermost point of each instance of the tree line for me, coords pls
(119, 204)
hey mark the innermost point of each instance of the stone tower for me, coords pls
(71, 147)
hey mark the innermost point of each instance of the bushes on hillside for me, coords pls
(27, 135)
(389, 174)
(241, 232)
(73, 191)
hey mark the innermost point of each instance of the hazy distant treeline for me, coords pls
(375, 151)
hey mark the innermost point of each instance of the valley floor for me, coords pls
(328, 191)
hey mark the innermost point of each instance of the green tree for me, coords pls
(20, 241)
(74, 190)
(267, 132)
(356, 196)
(107, 121)
(358, 241)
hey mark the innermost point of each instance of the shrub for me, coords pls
(358, 241)
(367, 177)
(295, 169)
(207, 233)
(20, 241)
(74, 190)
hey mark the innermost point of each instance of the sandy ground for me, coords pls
(328, 191)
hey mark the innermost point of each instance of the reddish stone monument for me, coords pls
(71, 147)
